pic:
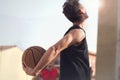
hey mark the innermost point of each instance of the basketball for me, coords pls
(32, 55)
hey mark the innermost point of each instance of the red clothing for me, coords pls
(49, 75)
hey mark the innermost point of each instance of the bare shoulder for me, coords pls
(71, 38)
(78, 35)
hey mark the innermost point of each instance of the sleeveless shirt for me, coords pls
(74, 60)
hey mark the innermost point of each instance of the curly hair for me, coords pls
(71, 9)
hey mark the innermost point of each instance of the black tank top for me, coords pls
(74, 61)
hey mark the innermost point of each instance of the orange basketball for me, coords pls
(32, 55)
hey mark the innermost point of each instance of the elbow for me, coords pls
(53, 52)
(52, 49)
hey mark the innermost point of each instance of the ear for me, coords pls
(82, 11)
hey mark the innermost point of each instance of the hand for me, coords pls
(38, 73)
(28, 70)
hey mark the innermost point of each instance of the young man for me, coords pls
(72, 48)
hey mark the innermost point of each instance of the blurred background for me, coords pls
(27, 22)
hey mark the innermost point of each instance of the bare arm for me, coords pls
(73, 37)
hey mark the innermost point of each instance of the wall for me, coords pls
(118, 45)
(107, 40)
(11, 65)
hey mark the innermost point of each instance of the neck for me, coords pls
(79, 24)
